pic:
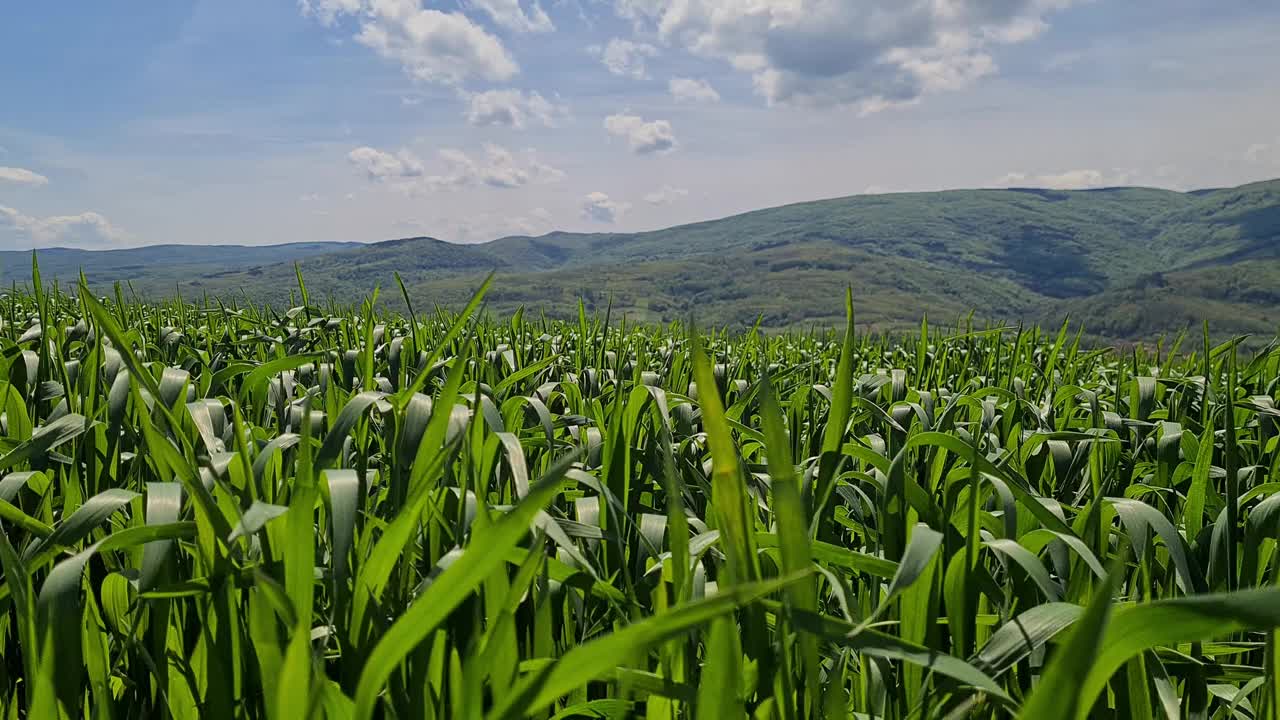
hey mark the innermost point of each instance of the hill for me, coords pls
(1130, 262)
(156, 266)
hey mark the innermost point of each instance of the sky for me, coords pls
(268, 121)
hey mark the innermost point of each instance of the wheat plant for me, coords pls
(228, 511)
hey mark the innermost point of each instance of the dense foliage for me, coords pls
(212, 511)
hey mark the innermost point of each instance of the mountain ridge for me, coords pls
(1136, 261)
(111, 264)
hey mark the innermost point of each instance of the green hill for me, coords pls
(156, 265)
(1128, 262)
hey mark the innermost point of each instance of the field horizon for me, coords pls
(1133, 264)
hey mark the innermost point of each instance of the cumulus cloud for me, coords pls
(430, 45)
(500, 169)
(692, 90)
(496, 167)
(870, 54)
(1069, 180)
(86, 230)
(380, 166)
(598, 207)
(22, 176)
(666, 195)
(509, 15)
(543, 173)
(644, 138)
(625, 58)
(512, 108)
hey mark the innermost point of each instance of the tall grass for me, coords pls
(221, 511)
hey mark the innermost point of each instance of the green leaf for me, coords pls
(46, 438)
(1023, 634)
(1060, 693)
(882, 645)
(1135, 628)
(260, 375)
(344, 507)
(81, 522)
(842, 392)
(256, 518)
(351, 413)
(720, 691)
(453, 586)
(728, 492)
(13, 515)
(18, 582)
(599, 657)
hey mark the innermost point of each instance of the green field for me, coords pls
(234, 511)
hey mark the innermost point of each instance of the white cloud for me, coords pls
(512, 108)
(509, 15)
(498, 168)
(947, 73)
(88, 229)
(1069, 180)
(430, 45)
(598, 207)
(644, 138)
(22, 176)
(625, 58)
(871, 54)
(543, 173)
(328, 11)
(692, 90)
(381, 166)
(666, 195)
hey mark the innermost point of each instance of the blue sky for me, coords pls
(262, 121)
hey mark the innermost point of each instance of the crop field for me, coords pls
(238, 512)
